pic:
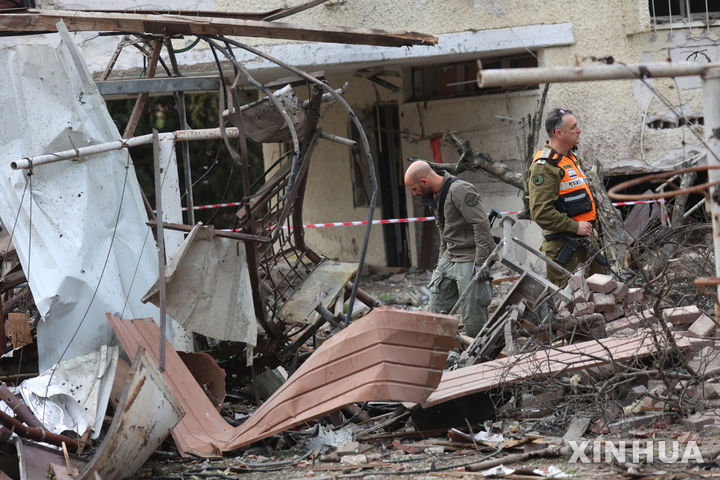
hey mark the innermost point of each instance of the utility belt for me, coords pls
(572, 243)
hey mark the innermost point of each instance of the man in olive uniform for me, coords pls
(560, 198)
(465, 243)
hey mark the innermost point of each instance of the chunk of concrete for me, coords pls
(634, 295)
(601, 283)
(620, 292)
(702, 327)
(582, 294)
(584, 308)
(348, 448)
(603, 301)
(657, 388)
(681, 315)
(697, 422)
(354, 460)
(697, 344)
(711, 391)
(577, 428)
(615, 312)
(705, 362)
(577, 281)
(636, 392)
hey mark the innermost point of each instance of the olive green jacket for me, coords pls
(466, 236)
(544, 188)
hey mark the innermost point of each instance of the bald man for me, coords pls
(465, 243)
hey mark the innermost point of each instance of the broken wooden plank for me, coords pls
(35, 458)
(389, 354)
(267, 16)
(45, 20)
(506, 371)
(19, 328)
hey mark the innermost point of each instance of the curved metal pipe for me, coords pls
(365, 146)
(274, 100)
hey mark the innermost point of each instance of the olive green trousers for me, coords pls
(448, 281)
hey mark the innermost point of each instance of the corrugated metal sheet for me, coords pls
(389, 354)
(505, 371)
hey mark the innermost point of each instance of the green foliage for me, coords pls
(216, 177)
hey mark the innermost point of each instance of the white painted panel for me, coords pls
(79, 209)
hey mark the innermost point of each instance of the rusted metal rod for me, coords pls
(619, 71)
(33, 433)
(22, 411)
(218, 233)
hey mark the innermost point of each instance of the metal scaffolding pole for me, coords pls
(619, 71)
(711, 98)
(77, 153)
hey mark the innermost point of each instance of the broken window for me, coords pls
(460, 79)
(668, 11)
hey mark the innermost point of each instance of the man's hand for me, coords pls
(584, 228)
(482, 274)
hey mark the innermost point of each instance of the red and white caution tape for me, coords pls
(407, 220)
(365, 222)
(395, 220)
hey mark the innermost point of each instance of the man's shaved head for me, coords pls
(416, 171)
(421, 179)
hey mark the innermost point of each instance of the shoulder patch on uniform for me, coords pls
(538, 179)
(545, 153)
(540, 161)
(471, 199)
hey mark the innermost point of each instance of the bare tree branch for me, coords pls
(471, 159)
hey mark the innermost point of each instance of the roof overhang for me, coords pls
(334, 59)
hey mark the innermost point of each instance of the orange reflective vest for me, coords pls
(574, 196)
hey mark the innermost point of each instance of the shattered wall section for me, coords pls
(51, 104)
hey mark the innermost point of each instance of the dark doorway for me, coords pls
(392, 186)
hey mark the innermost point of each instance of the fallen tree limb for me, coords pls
(551, 451)
(471, 159)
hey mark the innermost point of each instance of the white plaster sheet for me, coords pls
(64, 215)
(208, 287)
(73, 394)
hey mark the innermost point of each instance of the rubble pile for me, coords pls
(597, 303)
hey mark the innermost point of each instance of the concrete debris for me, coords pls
(697, 422)
(703, 326)
(681, 315)
(601, 283)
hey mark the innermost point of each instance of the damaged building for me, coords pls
(109, 285)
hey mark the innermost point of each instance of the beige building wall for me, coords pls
(614, 115)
